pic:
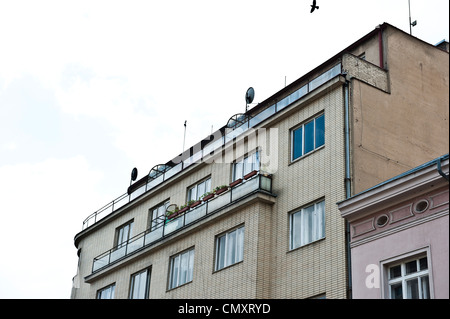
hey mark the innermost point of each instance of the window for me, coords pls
(246, 165)
(107, 292)
(308, 137)
(409, 279)
(197, 191)
(181, 269)
(140, 284)
(230, 248)
(307, 225)
(123, 233)
(157, 215)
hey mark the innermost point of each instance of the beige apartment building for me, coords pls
(374, 110)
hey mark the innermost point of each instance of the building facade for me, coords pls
(400, 236)
(278, 232)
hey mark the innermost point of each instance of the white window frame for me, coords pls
(247, 164)
(229, 248)
(196, 191)
(157, 215)
(140, 284)
(299, 218)
(123, 234)
(181, 268)
(107, 292)
(404, 278)
(302, 126)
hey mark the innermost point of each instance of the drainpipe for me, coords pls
(439, 168)
(347, 141)
(380, 46)
(347, 180)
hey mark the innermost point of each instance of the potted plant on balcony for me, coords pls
(194, 203)
(207, 196)
(236, 182)
(220, 189)
(251, 174)
(171, 214)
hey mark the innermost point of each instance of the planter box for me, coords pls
(250, 175)
(220, 191)
(236, 182)
(196, 204)
(175, 214)
(208, 197)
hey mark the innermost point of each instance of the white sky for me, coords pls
(91, 89)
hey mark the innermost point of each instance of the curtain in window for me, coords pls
(194, 193)
(230, 248)
(308, 225)
(181, 269)
(124, 234)
(139, 285)
(106, 293)
(246, 165)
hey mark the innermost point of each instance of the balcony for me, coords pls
(166, 228)
(162, 173)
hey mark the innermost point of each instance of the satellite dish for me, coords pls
(134, 174)
(250, 95)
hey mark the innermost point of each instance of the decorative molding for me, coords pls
(399, 228)
(401, 213)
(363, 227)
(439, 199)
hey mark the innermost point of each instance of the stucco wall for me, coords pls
(432, 235)
(394, 132)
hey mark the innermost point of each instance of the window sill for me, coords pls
(182, 285)
(306, 245)
(227, 267)
(306, 155)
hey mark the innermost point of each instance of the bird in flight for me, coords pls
(313, 6)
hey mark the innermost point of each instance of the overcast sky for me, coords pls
(91, 89)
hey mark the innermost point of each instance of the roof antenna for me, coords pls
(184, 139)
(411, 24)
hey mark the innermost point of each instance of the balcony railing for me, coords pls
(217, 143)
(167, 227)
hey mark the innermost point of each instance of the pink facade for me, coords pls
(399, 235)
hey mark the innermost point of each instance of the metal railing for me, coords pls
(165, 227)
(199, 155)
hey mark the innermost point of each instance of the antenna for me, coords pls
(184, 139)
(249, 96)
(411, 24)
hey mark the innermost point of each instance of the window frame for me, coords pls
(253, 159)
(196, 186)
(302, 127)
(160, 210)
(190, 252)
(119, 240)
(404, 278)
(239, 243)
(301, 213)
(111, 287)
(148, 272)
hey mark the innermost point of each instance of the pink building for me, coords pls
(399, 235)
